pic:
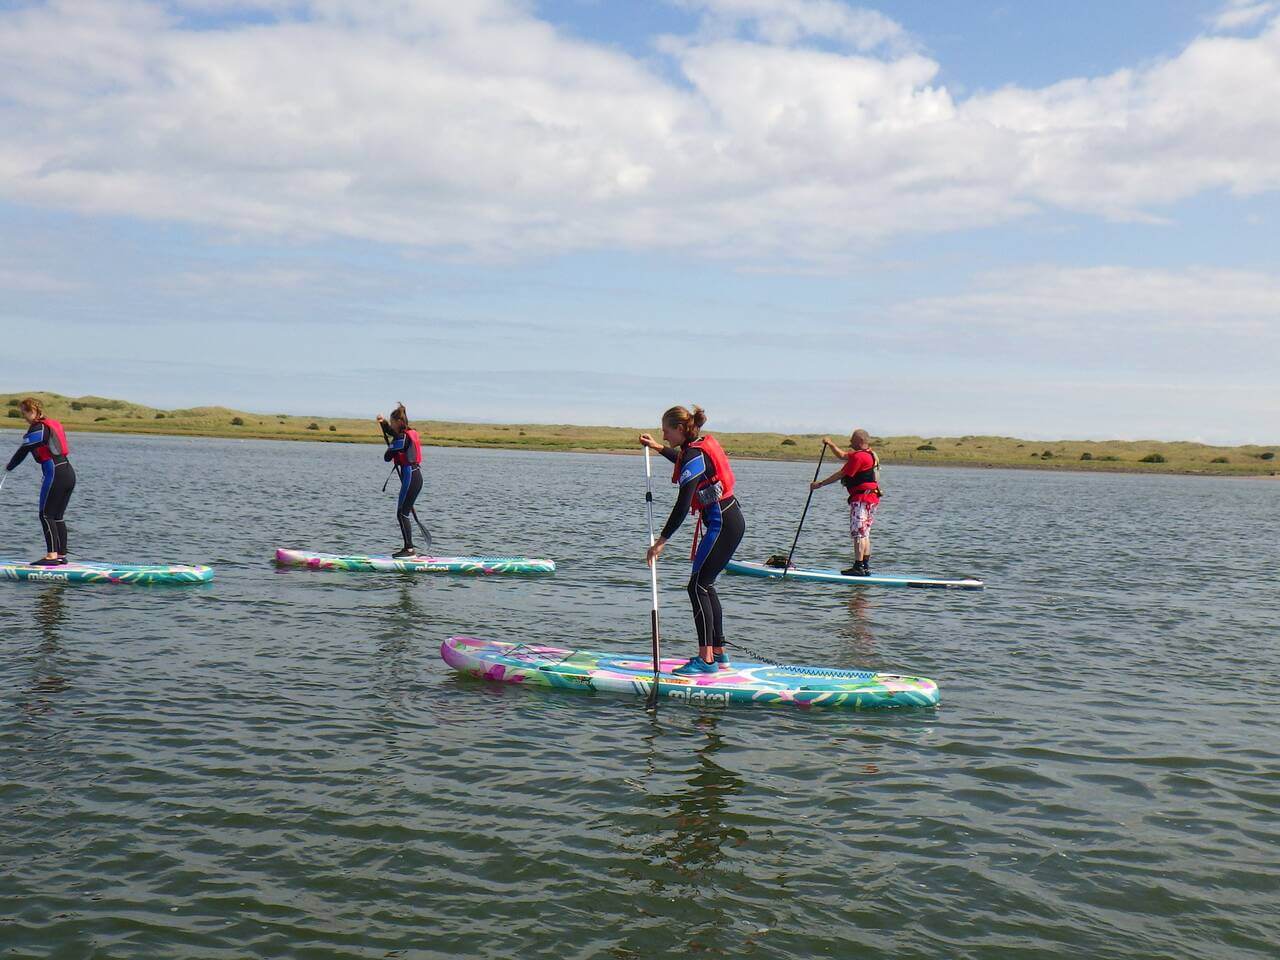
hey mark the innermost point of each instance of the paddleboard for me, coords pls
(86, 572)
(540, 665)
(377, 564)
(752, 569)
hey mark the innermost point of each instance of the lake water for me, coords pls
(278, 764)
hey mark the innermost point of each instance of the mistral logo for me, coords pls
(696, 695)
(47, 576)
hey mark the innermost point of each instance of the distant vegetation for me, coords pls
(98, 413)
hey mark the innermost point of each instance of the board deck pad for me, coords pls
(92, 572)
(386, 564)
(542, 665)
(753, 569)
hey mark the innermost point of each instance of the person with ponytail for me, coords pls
(405, 450)
(705, 478)
(46, 441)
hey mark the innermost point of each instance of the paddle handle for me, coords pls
(651, 704)
(807, 500)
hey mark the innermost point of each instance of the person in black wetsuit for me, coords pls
(706, 488)
(46, 441)
(404, 447)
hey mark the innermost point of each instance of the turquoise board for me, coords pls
(376, 564)
(539, 665)
(751, 569)
(86, 572)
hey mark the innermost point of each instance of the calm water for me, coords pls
(279, 765)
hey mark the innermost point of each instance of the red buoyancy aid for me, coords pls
(411, 454)
(55, 442)
(716, 488)
(864, 481)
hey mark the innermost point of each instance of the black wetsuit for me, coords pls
(58, 479)
(406, 451)
(724, 526)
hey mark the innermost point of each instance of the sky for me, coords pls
(1024, 218)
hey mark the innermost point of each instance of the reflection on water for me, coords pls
(283, 759)
(697, 813)
(398, 652)
(857, 630)
(49, 615)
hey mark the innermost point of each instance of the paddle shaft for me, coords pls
(395, 468)
(651, 704)
(817, 470)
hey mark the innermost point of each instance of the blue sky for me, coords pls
(1029, 218)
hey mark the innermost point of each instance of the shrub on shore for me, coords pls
(237, 421)
(1153, 458)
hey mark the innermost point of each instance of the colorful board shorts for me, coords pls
(861, 516)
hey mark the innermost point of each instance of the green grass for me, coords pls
(1137, 456)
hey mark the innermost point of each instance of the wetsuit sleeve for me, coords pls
(33, 439)
(386, 430)
(395, 447)
(670, 453)
(689, 477)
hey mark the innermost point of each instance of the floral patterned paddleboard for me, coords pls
(540, 665)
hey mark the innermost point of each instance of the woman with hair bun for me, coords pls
(405, 449)
(706, 488)
(46, 441)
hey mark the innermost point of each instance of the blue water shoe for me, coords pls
(694, 666)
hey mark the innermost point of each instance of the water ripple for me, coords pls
(277, 764)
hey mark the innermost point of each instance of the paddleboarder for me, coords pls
(405, 450)
(705, 478)
(46, 441)
(860, 475)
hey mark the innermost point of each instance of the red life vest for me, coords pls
(55, 442)
(411, 454)
(864, 481)
(713, 489)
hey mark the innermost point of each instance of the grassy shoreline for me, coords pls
(100, 414)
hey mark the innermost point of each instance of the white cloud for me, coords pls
(788, 22)
(1240, 306)
(1239, 14)
(475, 128)
(35, 281)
